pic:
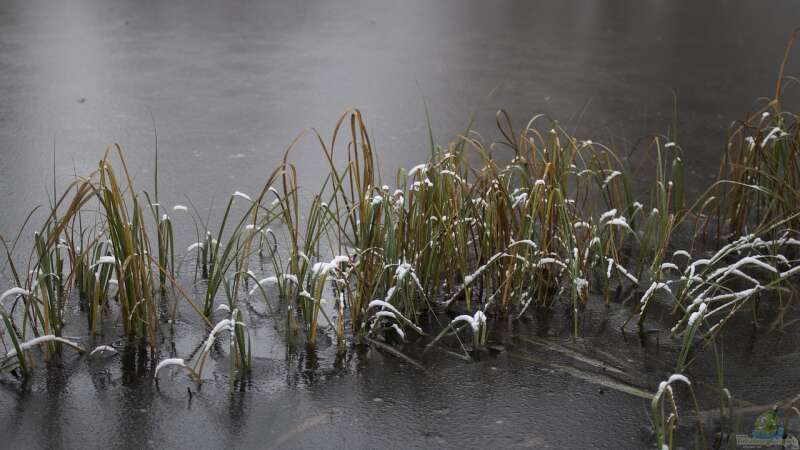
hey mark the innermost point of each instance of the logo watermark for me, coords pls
(768, 431)
(745, 441)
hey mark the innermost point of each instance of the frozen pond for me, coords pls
(228, 84)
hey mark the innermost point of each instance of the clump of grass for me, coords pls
(759, 180)
(109, 260)
(130, 250)
(539, 218)
(713, 289)
(760, 176)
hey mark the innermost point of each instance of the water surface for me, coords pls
(227, 85)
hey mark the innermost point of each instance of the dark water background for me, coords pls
(229, 84)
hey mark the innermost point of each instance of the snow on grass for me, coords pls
(242, 195)
(103, 349)
(475, 321)
(322, 268)
(13, 291)
(42, 340)
(169, 362)
(417, 169)
(105, 260)
(196, 245)
(652, 290)
(608, 215)
(262, 282)
(388, 306)
(610, 177)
